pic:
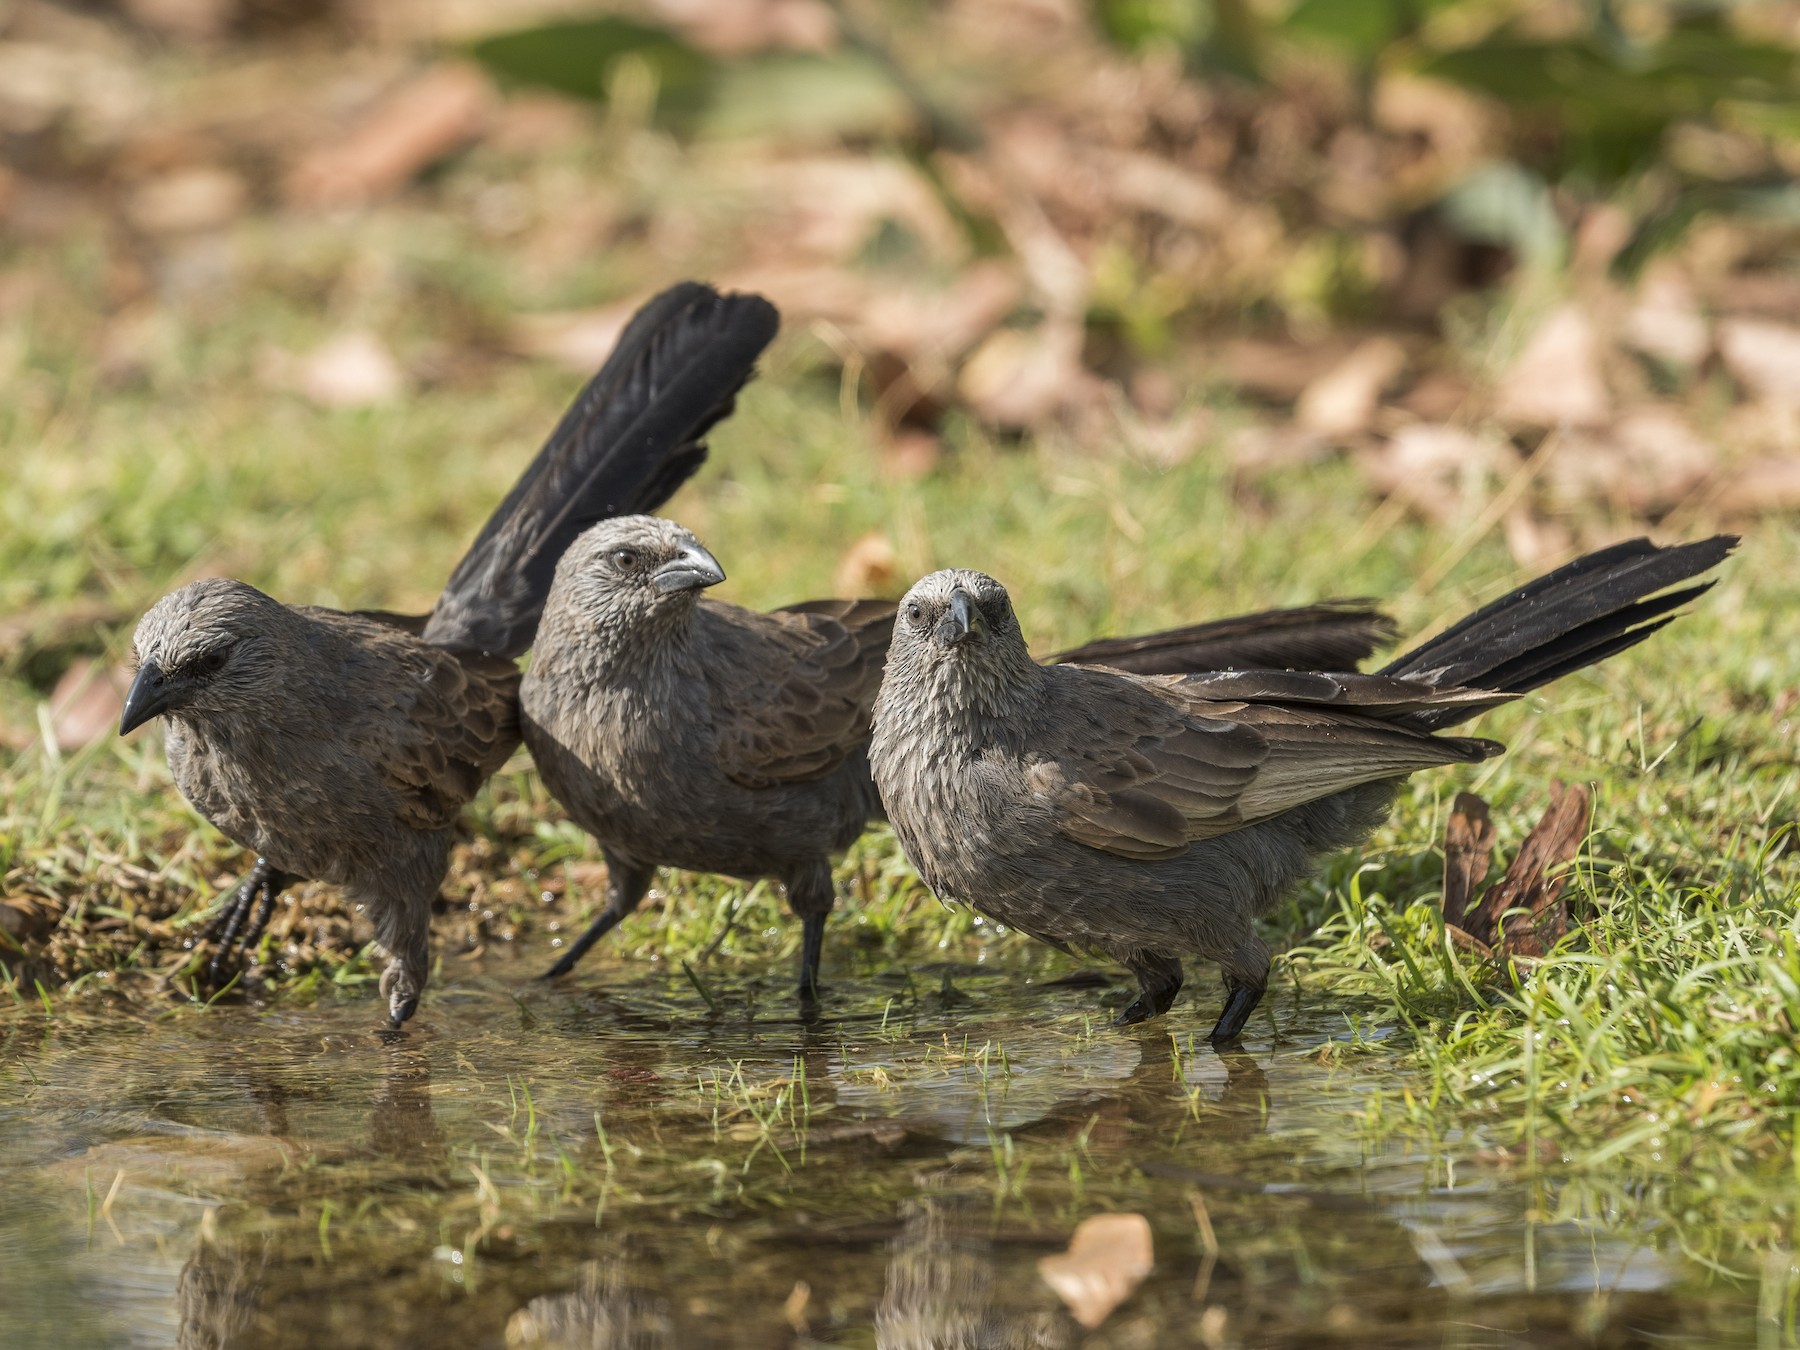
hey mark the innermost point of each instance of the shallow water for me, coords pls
(635, 1160)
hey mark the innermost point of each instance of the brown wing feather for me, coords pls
(438, 722)
(1177, 759)
(792, 690)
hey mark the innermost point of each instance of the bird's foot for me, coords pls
(1240, 1002)
(401, 991)
(608, 920)
(1159, 980)
(253, 900)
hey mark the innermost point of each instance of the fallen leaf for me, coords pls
(1533, 540)
(1439, 471)
(199, 198)
(1556, 381)
(1762, 487)
(868, 566)
(1468, 851)
(352, 370)
(911, 452)
(1646, 462)
(1020, 378)
(1108, 1257)
(1763, 356)
(1342, 401)
(86, 704)
(430, 116)
(579, 340)
(1276, 372)
(1666, 324)
(1528, 885)
(24, 918)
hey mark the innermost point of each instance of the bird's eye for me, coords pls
(209, 662)
(625, 559)
(915, 614)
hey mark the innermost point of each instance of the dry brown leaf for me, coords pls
(1342, 401)
(86, 704)
(203, 197)
(352, 370)
(1666, 323)
(1763, 487)
(24, 918)
(579, 340)
(1528, 885)
(1556, 381)
(744, 26)
(1763, 356)
(1533, 540)
(1108, 1258)
(1468, 852)
(924, 326)
(1439, 471)
(911, 452)
(1020, 378)
(1647, 461)
(1278, 372)
(868, 567)
(418, 124)
(203, 19)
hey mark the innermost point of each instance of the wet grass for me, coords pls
(1640, 1080)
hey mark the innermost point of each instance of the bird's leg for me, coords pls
(260, 886)
(1159, 980)
(626, 884)
(1246, 976)
(811, 895)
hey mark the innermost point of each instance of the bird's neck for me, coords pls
(978, 699)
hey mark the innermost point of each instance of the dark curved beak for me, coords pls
(151, 694)
(960, 619)
(694, 570)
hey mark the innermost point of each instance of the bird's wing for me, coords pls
(1143, 767)
(436, 723)
(792, 690)
(1331, 635)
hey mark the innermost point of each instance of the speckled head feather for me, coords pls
(634, 572)
(214, 646)
(957, 641)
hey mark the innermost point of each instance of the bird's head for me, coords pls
(209, 647)
(957, 627)
(632, 571)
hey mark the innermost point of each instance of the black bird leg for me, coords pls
(812, 951)
(1159, 980)
(811, 895)
(1241, 999)
(260, 886)
(625, 887)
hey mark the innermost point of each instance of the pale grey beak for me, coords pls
(694, 570)
(961, 619)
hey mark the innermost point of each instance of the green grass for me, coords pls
(1659, 1039)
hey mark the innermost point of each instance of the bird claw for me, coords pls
(401, 992)
(235, 938)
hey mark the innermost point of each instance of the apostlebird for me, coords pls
(681, 732)
(342, 747)
(1150, 818)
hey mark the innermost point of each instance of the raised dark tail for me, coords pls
(1332, 635)
(631, 437)
(1580, 614)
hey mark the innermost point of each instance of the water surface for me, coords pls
(632, 1160)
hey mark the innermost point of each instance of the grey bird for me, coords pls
(682, 732)
(1151, 818)
(341, 747)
